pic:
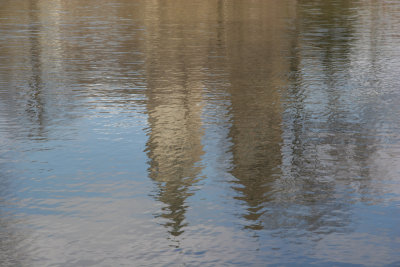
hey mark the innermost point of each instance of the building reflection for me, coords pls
(296, 143)
(279, 175)
(259, 69)
(255, 46)
(176, 53)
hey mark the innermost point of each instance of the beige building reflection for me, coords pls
(256, 47)
(170, 49)
(271, 164)
(176, 53)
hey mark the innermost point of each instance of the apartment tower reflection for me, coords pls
(176, 53)
(256, 45)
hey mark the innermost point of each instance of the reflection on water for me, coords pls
(199, 132)
(175, 57)
(256, 52)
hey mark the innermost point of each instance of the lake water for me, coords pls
(199, 133)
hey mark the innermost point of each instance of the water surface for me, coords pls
(199, 133)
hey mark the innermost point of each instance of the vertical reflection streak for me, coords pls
(256, 64)
(174, 57)
(35, 103)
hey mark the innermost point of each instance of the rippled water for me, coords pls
(199, 133)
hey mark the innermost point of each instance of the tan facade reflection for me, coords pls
(256, 48)
(176, 54)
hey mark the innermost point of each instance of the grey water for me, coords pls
(199, 133)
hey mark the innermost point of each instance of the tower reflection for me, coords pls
(255, 45)
(175, 56)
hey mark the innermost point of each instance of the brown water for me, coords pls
(199, 133)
